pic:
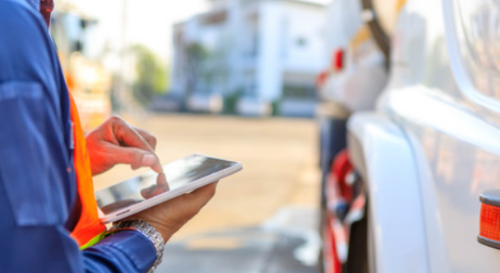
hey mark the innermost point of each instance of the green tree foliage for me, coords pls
(151, 74)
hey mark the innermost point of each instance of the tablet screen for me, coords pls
(179, 173)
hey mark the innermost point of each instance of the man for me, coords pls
(40, 199)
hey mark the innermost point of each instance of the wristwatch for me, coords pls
(147, 230)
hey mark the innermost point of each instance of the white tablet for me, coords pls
(139, 193)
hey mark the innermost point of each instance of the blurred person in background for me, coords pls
(50, 218)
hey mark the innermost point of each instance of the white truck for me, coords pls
(418, 188)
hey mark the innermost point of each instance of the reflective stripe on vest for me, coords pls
(89, 230)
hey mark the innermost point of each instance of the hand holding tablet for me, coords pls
(182, 176)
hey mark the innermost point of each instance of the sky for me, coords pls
(149, 22)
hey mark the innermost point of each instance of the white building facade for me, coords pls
(259, 55)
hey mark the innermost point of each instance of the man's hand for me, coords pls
(167, 218)
(117, 142)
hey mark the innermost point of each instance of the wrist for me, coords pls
(164, 230)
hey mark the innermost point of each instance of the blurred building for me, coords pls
(251, 57)
(87, 80)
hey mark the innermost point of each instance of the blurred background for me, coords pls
(229, 78)
(281, 85)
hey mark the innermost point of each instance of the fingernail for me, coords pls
(148, 160)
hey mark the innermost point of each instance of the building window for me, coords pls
(251, 39)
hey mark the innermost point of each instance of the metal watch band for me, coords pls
(147, 230)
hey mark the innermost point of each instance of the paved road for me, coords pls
(262, 220)
(287, 243)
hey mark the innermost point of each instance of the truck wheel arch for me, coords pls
(383, 156)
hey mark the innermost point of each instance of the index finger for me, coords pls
(161, 180)
(147, 136)
(127, 136)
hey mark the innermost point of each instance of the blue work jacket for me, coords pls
(38, 190)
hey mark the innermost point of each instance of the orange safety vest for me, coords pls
(89, 230)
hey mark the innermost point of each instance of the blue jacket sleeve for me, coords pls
(37, 182)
